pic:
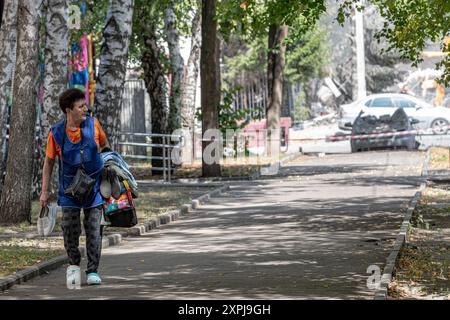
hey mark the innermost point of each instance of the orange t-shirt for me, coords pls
(75, 136)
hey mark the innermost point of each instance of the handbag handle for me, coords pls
(61, 169)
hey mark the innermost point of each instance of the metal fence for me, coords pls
(166, 147)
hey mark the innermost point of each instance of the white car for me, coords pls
(429, 116)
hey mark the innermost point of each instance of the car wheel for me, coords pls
(439, 126)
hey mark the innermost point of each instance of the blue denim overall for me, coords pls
(93, 163)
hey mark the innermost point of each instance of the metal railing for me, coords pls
(165, 145)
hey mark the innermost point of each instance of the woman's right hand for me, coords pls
(45, 195)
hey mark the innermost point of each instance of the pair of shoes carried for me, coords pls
(93, 278)
(46, 220)
(105, 185)
(110, 184)
(115, 183)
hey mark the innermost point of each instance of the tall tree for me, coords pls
(176, 66)
(55, 78)
(56, 53)
(15, 203)
(275, 67)
(210, 81)
(189, 85)
(113, 66)
(2, 5)
(8, 39)
(155, 82)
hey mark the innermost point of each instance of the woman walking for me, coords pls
(77, 141)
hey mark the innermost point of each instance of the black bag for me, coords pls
(124, 218)
(120, 212)
(82, 184)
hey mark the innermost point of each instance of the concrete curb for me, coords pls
(108, 241)
(402, 237)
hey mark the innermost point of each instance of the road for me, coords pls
(317, 144)
(310, 233)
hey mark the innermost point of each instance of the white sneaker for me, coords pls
(73, 277)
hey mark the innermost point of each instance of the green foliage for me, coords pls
(92, 22)
(252, 18)
(252, 59)
(229, 118)
(306, 56)
(150, 15)
(410, 26)
(301, 112)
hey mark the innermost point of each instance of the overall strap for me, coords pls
(61, 169)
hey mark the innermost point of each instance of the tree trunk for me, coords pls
(189, 86)
(210, 81)
(8, 40)
(15, 204)
(155, 83)
(113, 67)
(2, 5)
(55, 78)
(176, 66)
(275, 67)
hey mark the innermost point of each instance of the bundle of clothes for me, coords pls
(116, 176)
(118, 188)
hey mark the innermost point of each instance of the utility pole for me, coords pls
(360, 55)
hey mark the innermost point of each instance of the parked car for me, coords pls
(429, 116)
(368, 132)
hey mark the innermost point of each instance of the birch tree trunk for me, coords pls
(55, 79)
(210, 81)
(15, 203)
(8, 40)
(189, 85)
(176, 66)
(275, 68)
(155, 83)
(2, 5)
(113, 67)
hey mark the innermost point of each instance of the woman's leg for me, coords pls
(92, 219)
(71, 227)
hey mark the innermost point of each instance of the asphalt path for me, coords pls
(309, 233)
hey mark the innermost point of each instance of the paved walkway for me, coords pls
(310, 234)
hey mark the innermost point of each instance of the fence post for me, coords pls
(169, 158)
(164, 157)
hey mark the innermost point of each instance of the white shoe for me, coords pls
(73, 277)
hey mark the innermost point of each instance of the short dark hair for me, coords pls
(69, 97)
